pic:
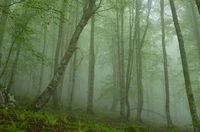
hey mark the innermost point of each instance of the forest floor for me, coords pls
(20, 120)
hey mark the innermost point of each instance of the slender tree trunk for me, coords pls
(196, 27)
(45, 96)
(13, 71)
(56, 61)
(122, 88)
(130, 62)
(120, 49)
(198, 5)
(70, 90)
(191, 101)
(115, 78)
(122, 111)
(74, 65)
(91, 70)
(138, 63)
(3, 20)
(42, 63)
(167, 92)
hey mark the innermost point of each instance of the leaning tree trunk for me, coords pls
(46, 95)
(191, 101)
(167, 105)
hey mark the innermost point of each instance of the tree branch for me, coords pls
(149, 111)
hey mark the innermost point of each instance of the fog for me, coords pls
(29, 27)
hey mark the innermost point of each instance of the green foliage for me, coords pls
(50, 120)
(134, 128)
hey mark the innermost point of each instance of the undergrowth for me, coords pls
(12, 120)
(26, 121)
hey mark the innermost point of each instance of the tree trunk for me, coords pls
(91, 70)
(45, 96)
(115, 78)
(138, 63)
(56, 58)
(198, 5)
(42, 63)
(120, 49)
(191, 101)
(167, 92)
(13, 71)
(122, 82)
(196, 27)
(3, 19)
(130, 61)
(74, 63)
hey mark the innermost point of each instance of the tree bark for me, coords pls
(198, 5)
(138, 63)
(122, 82)
(45, 96)
(115, 77)
(191, 101)
(130, 62)
(74, 67)
(167, 92)
(13, 71)
(42, 63)
(56, 58)
(3, 20)
(196, 28)
(91, 70)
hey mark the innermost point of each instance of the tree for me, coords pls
(57, 53)
(191, 101)
(91, 70)
(3, 20)
(167, 92)
(36, 105)
(198, 4)
(120, 47)
(196, 27)
(130, 60)
(42, 63)
(74, 65)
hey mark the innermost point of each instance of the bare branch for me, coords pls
(98, 6)
(106, 9)
(149, 111)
